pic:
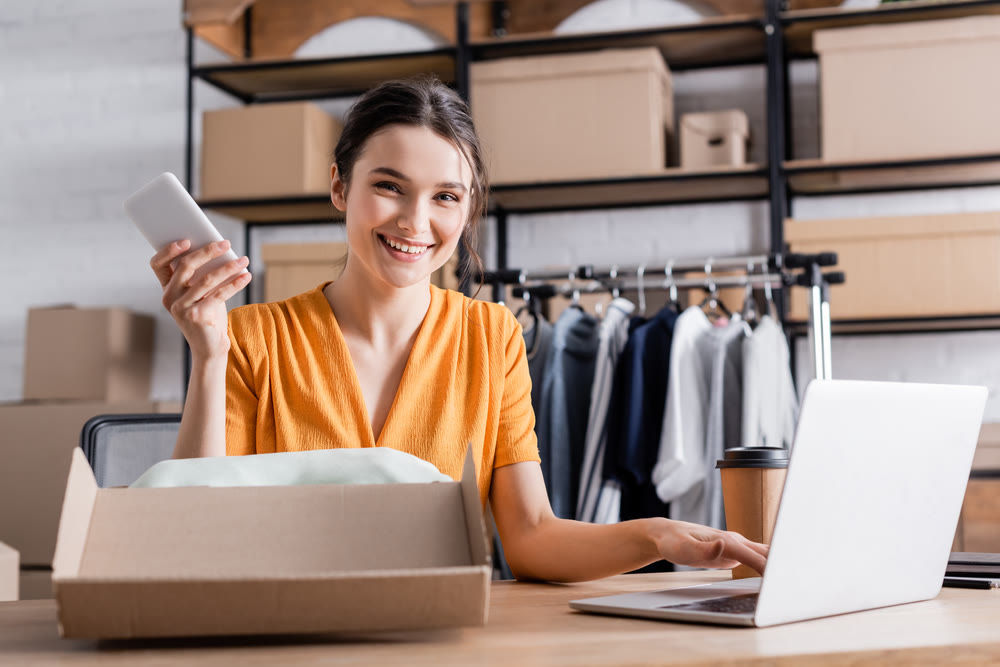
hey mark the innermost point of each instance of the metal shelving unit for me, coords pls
(773, 41)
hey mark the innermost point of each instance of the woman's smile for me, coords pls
(403, 250)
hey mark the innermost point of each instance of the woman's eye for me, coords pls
(447, 196)
(385, 185)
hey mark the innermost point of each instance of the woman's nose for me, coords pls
(415, 217)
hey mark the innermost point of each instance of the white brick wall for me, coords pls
(92, 105)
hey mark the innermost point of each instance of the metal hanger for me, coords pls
(639, 275)
(669, 282)
(749, 312)
(575, 298)
(716, 309)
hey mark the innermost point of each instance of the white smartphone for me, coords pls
(164, 212)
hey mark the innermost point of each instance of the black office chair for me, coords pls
(122, 447)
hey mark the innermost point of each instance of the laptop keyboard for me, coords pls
(734, 604)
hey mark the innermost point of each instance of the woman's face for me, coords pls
(407, 204)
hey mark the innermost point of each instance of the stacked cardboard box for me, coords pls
(910, 266)
(269, 150)
(79, 363)
(920, 89)
(575, 116)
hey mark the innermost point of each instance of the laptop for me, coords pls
(872, 496)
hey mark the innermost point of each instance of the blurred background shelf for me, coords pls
(291, 210)
(799, 25)
(715, 42)
(318, 78)
(906, 325)
(672, 186)
(815, 177)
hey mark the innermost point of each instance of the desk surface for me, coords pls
(531, 624)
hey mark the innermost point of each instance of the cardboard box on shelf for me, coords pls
(915, 266)
(9, 573)
(36, 441)
(988, 449)
(909, 90)
(200, 561)
(979, 527)
(36, 584)
(88, 354)
(269, 150)
(714, 139)
(294, 268)
(577, 116)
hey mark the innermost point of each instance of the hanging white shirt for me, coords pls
(680, 463)
(770, 405)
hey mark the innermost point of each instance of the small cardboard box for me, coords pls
(294, 268)
(88, 354)
(36, 440)
(577, 116)
(36, 584)
(9, 573)
(910, 90)
(714, 139)
(915, 266)
(267, 150)
(201, 561)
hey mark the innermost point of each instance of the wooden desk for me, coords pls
(531, 624)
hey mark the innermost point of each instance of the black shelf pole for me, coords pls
(188, 177)
(462, 56)
(500, 216)
(776, 133)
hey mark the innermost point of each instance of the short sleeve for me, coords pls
(516, 440)
(241, 400)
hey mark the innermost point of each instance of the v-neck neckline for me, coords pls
(339, 343)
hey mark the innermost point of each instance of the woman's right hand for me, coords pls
(200, 308)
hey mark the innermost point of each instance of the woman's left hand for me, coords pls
(700, 546)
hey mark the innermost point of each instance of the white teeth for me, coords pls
(411, 250)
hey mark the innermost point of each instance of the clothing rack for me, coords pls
(774, 272)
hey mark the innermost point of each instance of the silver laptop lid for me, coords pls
(872, 498)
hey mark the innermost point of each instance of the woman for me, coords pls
(382, 358)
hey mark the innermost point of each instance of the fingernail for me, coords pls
(182, 244)
(223, 245)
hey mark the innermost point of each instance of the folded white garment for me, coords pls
(368, 465)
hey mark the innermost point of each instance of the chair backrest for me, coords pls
(122, 447)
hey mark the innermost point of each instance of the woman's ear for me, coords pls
(338, 190)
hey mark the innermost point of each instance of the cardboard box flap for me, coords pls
(709, 123)
(197, 532)
(479, 547)
(77, 511)
(916, 33)
(302, 252)
(809, 231)
(545, 67)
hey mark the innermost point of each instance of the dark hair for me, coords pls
(422, 102)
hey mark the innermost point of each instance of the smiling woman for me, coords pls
(381, 358)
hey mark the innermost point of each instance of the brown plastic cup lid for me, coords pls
(754, 457)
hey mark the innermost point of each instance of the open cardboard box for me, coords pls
(200, 561)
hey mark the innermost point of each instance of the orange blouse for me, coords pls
(291, 385)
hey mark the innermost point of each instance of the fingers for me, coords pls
(210, 283)
(230, 289)
(162, 260)
(747, 552)
(194, 260)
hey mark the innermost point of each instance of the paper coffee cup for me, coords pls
(752, 480)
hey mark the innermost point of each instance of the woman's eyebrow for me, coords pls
(389, 171)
